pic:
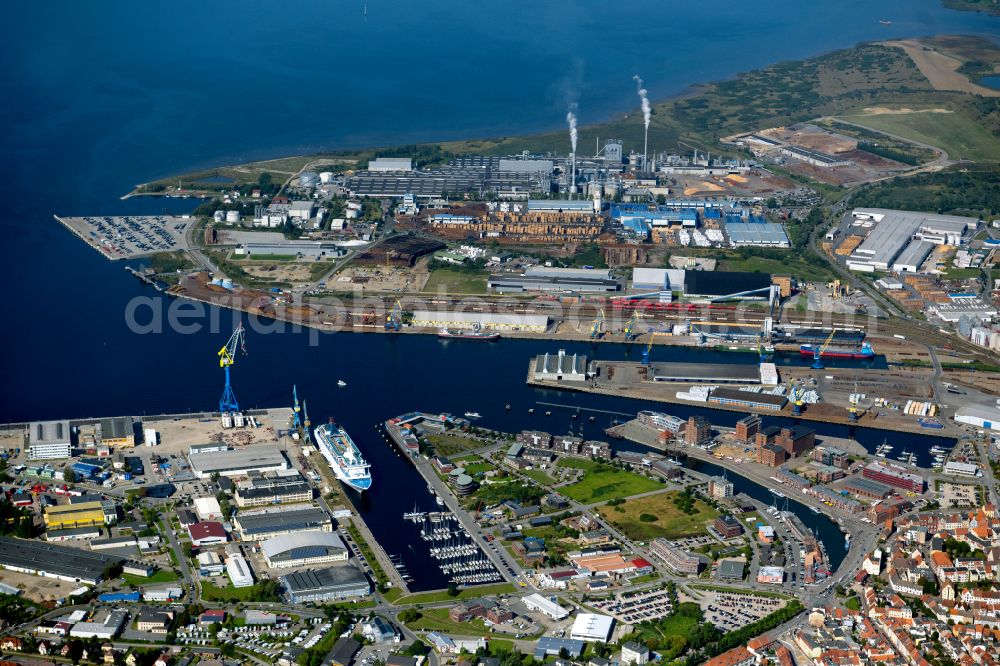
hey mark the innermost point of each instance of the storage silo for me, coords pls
(308, 179)
(232, 216)
(325, 176)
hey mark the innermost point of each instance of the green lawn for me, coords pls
(959, 136)
(212, 592)
(793, 264)
(161, 576)
(670, 521)
(468, 593)
(603, 482)
(477, 467)
(448, 444)
(456, 282)
(539, 475)
(436, 619)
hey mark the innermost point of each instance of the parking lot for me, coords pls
(731, 610)
(633, 607)
(128, 236)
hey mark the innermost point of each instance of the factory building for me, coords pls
(656, 279)
(303, 548)
(814, 157)
(264, 490)
(117, 432)
(49, 440)
(238, 462)
(591, 627)
(867, 488)
(239, 570)
(86, 514)
(542, 278)
(267, 525)
(300, 248)
(322, 585)
(913, 257)
(726, 396)
(895, 476)
(705, 373)
(539, 604)
(485, 320)
(382, 164)
(899, 235)
(755, 230)
(979, 416)
(44, 559)
(560, 367)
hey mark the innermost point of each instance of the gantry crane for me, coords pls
(597, 328)
(630, 328)
(649, 347)
(795, 397)
(296, 410)
(227, 356)
(394, 318)
(852, 411)
(818, 351)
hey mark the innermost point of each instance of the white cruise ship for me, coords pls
(343, 455)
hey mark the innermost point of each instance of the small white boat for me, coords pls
(341, 383)
(473, 415)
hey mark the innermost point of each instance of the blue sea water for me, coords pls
(101, 96)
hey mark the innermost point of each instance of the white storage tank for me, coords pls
(308, 179)
(325, 176)
(232, 216)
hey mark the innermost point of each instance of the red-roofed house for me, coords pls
(739, 656)
(207, 533)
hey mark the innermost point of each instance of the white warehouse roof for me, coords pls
(981, 416)
(536, 601)
(286, 542)
(592, 627)
(486, 319)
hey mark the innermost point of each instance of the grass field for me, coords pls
(456, 282)
(161, 576)
(538, 475)
(603, 482)
(436, 619)
(212, 592)
(792, 264)
(670, 522)
(442, 595)
(954, 133)
(446, 444)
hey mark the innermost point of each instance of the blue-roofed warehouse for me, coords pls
(551, 646)
(111, 597)
(755, 230)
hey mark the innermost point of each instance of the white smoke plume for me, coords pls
(644, 99)
(571, 119)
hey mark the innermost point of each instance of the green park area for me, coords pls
(538, 475)
(669, 515)
(603, 482)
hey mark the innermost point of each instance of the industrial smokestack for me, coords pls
(571, 121)
(646, 113)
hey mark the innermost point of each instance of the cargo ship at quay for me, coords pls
(343, 456)
(475, 333)
(865, 352)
